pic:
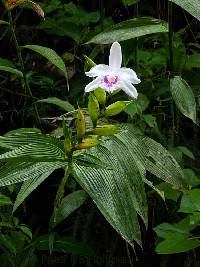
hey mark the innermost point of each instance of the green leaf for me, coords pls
(118, 188)
(36, 152)
(177, 237)
(155, 158)
(130, 29)
(192, 61)
(150, 120)
(115, 108)
(6, 62)
(49, 54)
(69, 204)
(177, 244)
(24, 229)
(32, 180)
(191, 6)
(183, 97)
(191, 177)
(4, 200)
(169, 192)
(58, 102)
(190, 201)
(21, 171)
(186, 152)
(11, 70)
(93, 108)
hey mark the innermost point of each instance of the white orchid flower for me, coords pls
(112, 77)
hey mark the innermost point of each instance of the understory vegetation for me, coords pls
(99, 136)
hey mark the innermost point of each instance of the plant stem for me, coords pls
(171, 65)
(59, 196)
(21, 62)
(136, 42)
(170, 37)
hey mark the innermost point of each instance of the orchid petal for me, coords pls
(115, 57)
(98, 70)
(129, 75)
(93, 85)
(128, 88)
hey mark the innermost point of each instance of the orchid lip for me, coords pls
(110, 80)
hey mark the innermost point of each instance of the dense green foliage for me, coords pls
(134, 160)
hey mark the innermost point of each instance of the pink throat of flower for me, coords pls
(110, 80)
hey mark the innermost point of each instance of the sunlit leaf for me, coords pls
(130, 29)
(191, 6)
(49, 54)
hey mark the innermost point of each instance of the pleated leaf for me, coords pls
(155, 158)
(21, 171)
(114, 188)
(184, 97)
(34, 152)
(24, 136)
(49, 54)
(42, 170)
(191, 6)
(69, 204)
(130, 29)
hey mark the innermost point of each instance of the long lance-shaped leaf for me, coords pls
(191, 6)
(49, 54)
(11, 70)
(58, 102)
(25, 136)
(21, 171)
(34, 152)
(111, 190)
(36, 175)
(155, 158)
(130, 29)
(184, 97)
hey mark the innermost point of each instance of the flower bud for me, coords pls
(115, 108)
(80, 125)
(100, 95)
(106, 130)
(93, 109)
(87, 143)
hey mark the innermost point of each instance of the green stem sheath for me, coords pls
(59, 196)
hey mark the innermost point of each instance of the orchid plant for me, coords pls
(108, 161)
(112, 77)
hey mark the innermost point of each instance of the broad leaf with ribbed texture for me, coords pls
(130, 29)
(35, 152)
(116, 186)
(191, 6)
(155, 158)
(69, 204)
(184, 97)
(49, 54)
(33, 176)
(113, 174)
(11, 70)
(24, 136)
(21, 171)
